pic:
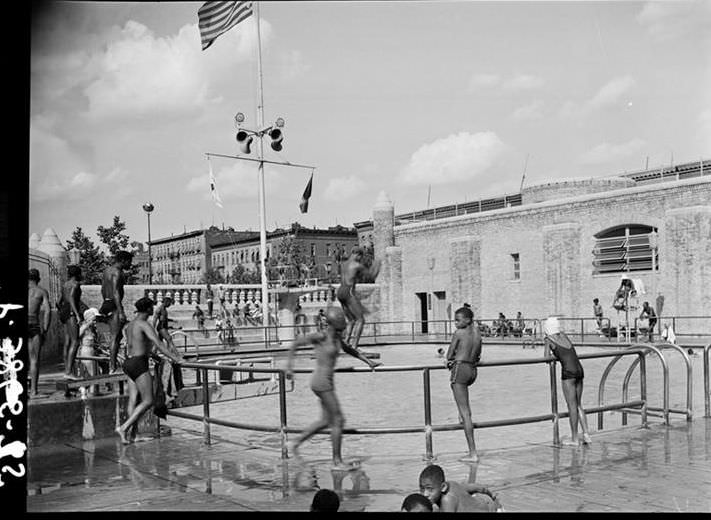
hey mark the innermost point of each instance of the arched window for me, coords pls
(630, 247)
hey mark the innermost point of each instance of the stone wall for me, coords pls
(434, 253)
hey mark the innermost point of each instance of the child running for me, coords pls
(452, 497)
(327, 346)
(139, 335)
(462, 357)
(571, 378)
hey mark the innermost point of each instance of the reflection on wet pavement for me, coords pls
(662, 468)
(632, 469)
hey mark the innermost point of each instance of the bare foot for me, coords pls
(374, 364)
(122, 434)
(343, 466)
(586, 438)
(570, 442)
(472, 457)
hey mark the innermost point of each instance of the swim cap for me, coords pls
(90, 313)
(335, 317)
(551, 326)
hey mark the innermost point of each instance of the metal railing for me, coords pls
(665, 367)
(707, 390)
(428, 428)
(689, 384)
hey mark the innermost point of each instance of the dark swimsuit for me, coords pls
(345, 296)
(569, 362)
(108, 307)
(135, 366)
(33, 329)
(463, 373)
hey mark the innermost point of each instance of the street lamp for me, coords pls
(148, 208)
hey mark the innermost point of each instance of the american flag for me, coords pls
(216, 18)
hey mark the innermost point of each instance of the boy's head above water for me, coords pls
(432, 483)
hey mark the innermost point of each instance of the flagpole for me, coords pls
(262, 202)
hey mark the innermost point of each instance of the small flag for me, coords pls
(213, 186)
(304, 205)
(216, 18)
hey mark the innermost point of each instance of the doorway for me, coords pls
(425, 302)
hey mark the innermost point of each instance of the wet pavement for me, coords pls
(662, 468)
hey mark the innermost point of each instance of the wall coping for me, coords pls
(548, 205)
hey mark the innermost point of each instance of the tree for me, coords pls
(213, 276)
(288, 253)
(113, 236)
(92, 260)
(241, 275)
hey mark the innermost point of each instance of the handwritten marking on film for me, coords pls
(9, 368)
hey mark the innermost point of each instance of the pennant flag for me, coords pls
(216, 18)
(304, 205)
(213, 187)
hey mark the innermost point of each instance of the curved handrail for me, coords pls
(689, 380)
(606, 372)
(428, 427)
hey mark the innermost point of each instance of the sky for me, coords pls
(455, 99)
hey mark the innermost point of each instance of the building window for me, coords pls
(632, 247)
(516, 266)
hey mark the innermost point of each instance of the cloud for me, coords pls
(137, 73)
(453, 158)
(236, 181)
(57, 172)
(523, 82)
(478, 81)
(293, 65)
(528, 112)
(609, 153)
(344, 187)
(611, 94)
(671, 20)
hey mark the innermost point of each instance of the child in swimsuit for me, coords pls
(327, 346)
(453, 497)
(87, 336)
(462, 358)
(572, 375)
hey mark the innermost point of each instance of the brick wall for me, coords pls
(432, 262)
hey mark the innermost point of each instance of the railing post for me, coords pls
(707, 392)
(205, 409)
(428, 414)
(375, 333)
(413, 331)
(643, 387)
(582, 329)
(282, 412)
(554, 398)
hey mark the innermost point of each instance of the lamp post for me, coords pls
(148, 208)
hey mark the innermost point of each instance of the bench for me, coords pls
(67, 385)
